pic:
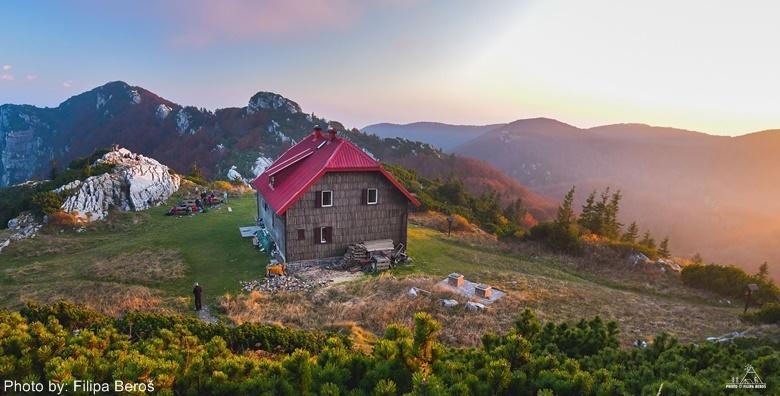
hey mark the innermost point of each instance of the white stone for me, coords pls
(261, 164)
(136, 183)
(183, 122)
(233, 174)
(135, 96)
(475, 306)
(448, 303)
(162, 111)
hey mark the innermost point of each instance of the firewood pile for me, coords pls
(356, 255)
(370, 256)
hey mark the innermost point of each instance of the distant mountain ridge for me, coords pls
(33, 138)
(444, 136)
(711, 194)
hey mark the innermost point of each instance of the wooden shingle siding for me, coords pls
(350, 218)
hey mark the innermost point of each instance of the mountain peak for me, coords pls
(272, 101)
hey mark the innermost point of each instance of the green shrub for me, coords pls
(769, 313)
(729, 281)
(564, 239)
(45, 202)
(183, 356)
(627, 248)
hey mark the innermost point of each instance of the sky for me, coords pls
(711, 66)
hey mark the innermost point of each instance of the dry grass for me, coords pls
(438, 221)
(374, 303)
(143, 266)
(107, 297)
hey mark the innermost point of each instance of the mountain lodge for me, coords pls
(325, 193)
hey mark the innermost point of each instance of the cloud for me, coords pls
(31, 77)
(67, 84)
(202, 23)
(6, 67)
(6, 77)
(207, 22)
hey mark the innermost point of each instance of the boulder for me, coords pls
(136, 183)
(667, 265)
(637, 259)
(475, 306)
(447, 303)
(233, 174)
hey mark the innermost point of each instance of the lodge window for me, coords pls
(324, 199)
(323, 235)
(301, 234)
(372, 196)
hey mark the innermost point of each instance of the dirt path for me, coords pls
(206, 316)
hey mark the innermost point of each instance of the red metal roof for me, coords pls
(302, 165)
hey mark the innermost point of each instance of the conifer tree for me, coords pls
(565, 212)
(515, 211)
(663, 249)
(611, 224)
(763, 271)
(632, 233)
(648, 241)
(589, 216)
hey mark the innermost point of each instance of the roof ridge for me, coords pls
(335, 151)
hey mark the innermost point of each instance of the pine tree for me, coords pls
(589, 216)
(763, 271)
(515, 211)
(565, 214)
(648, 241)
(195, 170)
(663, 249)
(612, 226)
(631, 234)
(697, 259)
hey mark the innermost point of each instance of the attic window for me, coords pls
(372, 196)
(327, 199)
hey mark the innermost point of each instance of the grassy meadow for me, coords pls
(142, 260)
(148, 261)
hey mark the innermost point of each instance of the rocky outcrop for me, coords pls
(136, 183)
(23, 227)
(271, 101)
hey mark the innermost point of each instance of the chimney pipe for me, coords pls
(331, 134)
(317, 132)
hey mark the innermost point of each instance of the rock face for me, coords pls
(269, 100)
(135, 183)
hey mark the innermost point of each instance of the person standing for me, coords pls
(224, 197)
(198, 292)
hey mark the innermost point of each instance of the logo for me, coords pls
(750, 380)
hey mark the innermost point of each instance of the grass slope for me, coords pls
(135, 256)
(148, 261)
